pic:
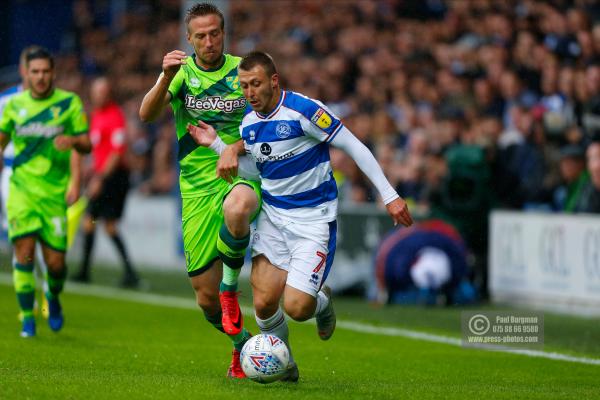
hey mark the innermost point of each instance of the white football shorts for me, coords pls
(305, 251)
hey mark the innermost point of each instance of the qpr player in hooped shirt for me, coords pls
(290, 146)
(287, 137)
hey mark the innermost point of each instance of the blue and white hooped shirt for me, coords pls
(291, 149)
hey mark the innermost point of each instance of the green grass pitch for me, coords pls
(128, 349)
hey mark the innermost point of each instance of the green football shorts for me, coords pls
(202, 218)
(30, 215)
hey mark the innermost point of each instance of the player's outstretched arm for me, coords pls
(203, 134)
(74, 188)
(396, 206)
(158, 97)
(398, 210)
(80, 143)
(229, 164)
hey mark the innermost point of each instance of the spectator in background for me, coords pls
(484, 58)
(411, 182)
(574, 177)
(591, 104)
(520, 161)
(486, 100)
(589, 199)
(109, 182)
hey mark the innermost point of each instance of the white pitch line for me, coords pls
(189, 304)
(430, 337)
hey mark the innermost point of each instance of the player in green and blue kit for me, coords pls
(44, 124)
(215, 213)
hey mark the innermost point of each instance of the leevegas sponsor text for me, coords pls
(214, 103)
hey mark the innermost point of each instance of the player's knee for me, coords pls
(239, 206)
(298, 310)
(56, 265)
(24, 250)
(265, 307)
(24, 257)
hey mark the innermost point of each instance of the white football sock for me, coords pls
(322, 302)
(276, 325)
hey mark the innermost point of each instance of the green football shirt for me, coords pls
(215, 97)
(39, 169)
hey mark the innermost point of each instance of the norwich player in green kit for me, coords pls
(44, 123)
(216, 213)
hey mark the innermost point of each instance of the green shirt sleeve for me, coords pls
(7, 122)
(79, 121)
(176, 83)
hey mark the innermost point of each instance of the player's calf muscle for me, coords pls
(206, 287)
(299, 308)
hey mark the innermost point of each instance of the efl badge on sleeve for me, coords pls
(321, 119)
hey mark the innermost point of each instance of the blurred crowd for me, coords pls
(516, 81)
(480, 104)
(127, 46)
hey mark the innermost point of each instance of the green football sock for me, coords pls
(56, 282)
(232, 252)
(238, 340)
(24, 287)
(215, 320)
(230, 279)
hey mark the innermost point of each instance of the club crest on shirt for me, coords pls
(321, 119)
(283, 130)
(55, 111)
(233, 82)
(194, 82)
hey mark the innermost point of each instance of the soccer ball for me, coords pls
(265, 358)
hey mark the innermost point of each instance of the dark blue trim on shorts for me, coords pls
(242, 183)
(39, 238)
(203, 268)
(24, 235)
(42, 241)
(330, 250)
